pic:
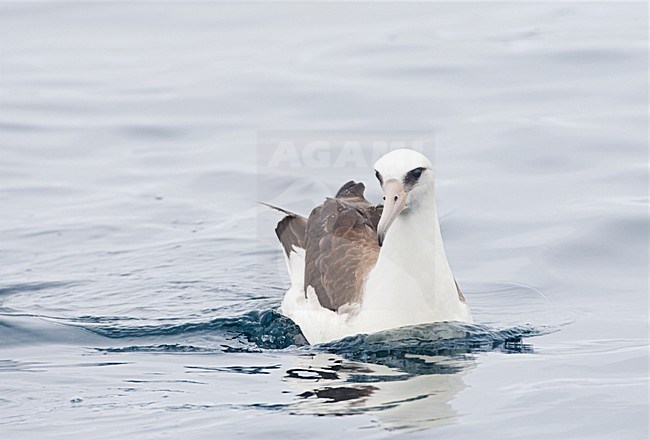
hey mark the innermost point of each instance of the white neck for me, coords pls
(412, 280)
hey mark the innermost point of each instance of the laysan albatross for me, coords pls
(359, 268)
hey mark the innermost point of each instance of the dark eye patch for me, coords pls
(381, 181)
(412, 177)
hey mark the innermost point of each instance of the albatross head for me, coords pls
(406, 177)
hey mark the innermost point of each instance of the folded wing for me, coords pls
(341, 246)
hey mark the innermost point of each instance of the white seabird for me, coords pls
(358, 268)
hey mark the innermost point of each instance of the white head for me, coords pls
(407, 179)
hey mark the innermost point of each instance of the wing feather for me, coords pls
(341, 246)
(290, 230)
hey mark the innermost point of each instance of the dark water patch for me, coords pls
(178, 348)
(311, 374)
(237, 369)
(266, 330)
(267, 406)
(408, 348)
(339, 394)
(162, 348)
(196, 382)
(229, 349)
(190, 407)
(101, 364)
(381, 378)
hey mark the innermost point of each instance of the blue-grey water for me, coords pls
(139, 276)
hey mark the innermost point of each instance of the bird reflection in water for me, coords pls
(405, 378)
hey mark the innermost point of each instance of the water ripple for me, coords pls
(415, 350)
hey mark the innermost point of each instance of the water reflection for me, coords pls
(406, 378)
(326, 384)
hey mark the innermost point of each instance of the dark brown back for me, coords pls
(341, 246)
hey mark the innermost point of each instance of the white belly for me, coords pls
(319, 324)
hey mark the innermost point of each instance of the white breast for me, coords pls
(410, 284)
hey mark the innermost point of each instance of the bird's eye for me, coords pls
(412, 176)
(378, 177)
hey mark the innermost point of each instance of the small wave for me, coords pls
(408, 349)
(438, 339)
(266, 330)
(161, 348)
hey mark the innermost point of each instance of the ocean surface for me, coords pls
(139, 276)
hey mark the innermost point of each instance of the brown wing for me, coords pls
(341, 246)
(290, 230)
